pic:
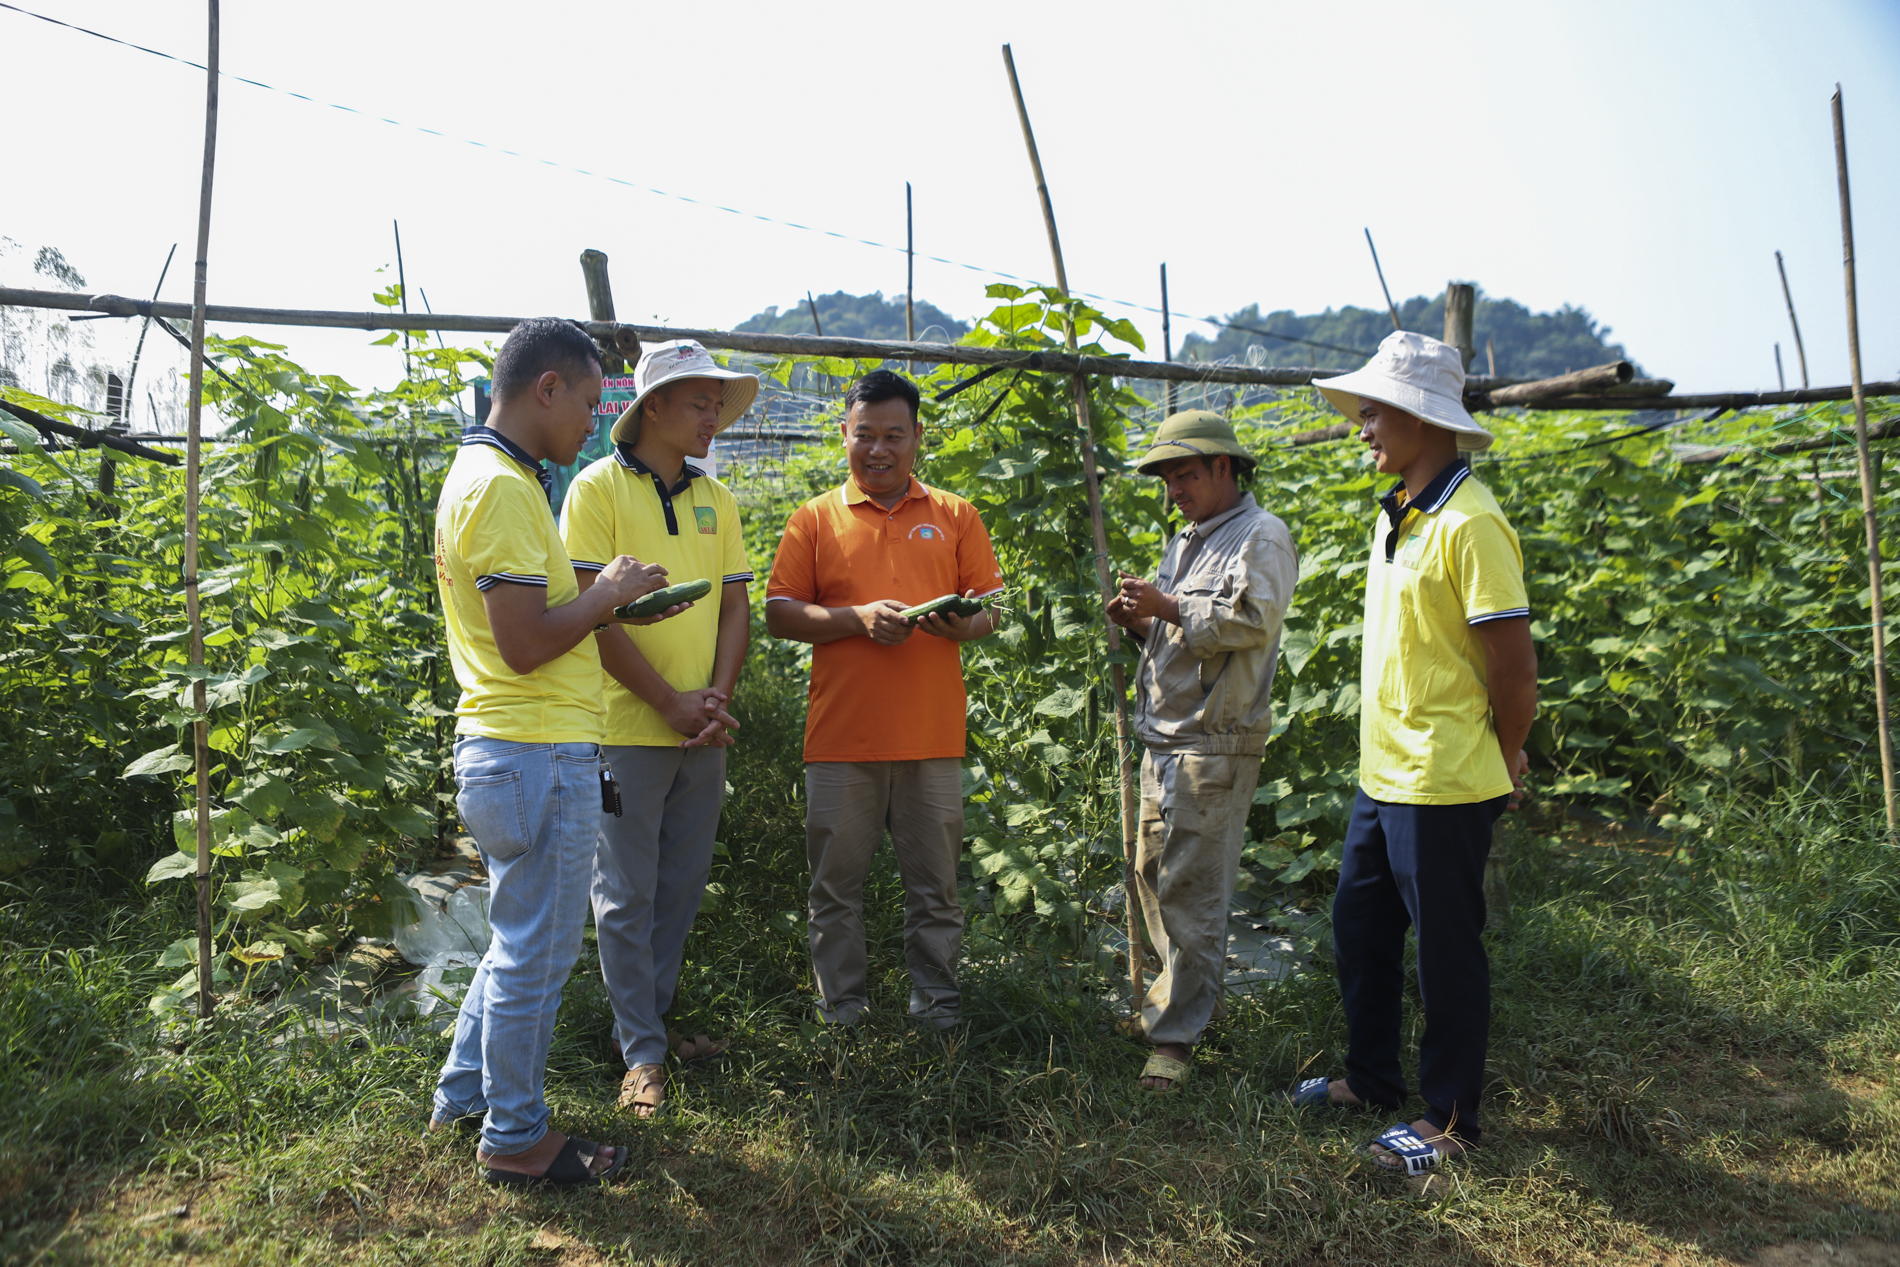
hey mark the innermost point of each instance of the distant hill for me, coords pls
(856, 317)
(1526, 343)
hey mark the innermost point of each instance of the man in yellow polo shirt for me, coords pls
(527, 746)
(1448, 690)
(666, 688)
(884, 736)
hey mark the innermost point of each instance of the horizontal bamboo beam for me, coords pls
(86, 439)
(1581, 383)
(1716, 400)
(1878, 431)
(627, 338)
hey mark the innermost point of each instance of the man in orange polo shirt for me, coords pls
(884, 736)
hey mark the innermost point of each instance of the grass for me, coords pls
(1693, 1055)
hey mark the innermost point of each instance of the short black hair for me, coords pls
(882, 385)
(536, 346)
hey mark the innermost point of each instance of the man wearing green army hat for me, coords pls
(1209, 626)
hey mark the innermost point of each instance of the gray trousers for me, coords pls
(848, 806)
(1193, 820)
(649, 874)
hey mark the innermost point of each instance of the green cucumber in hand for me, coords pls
(948, 605)
(659, 600)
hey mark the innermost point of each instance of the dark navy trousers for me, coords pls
(1422, 867)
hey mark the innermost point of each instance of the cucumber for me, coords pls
(949, 605)
(659, 600)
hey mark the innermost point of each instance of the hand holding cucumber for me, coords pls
(660, 603)
(884, 622)
(626, 579)
(953, 616)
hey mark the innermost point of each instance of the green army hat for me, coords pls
(1193, 433)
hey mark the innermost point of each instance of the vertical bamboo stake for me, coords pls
(1869, 494)
(1382, 286)
(1167, 337)
(600, 306)
(1124, 739)
(1490, 357)
(402, 292)
(193, 437)
(1781, 378)
(1461, 307)
(1788, 296)
(910, 270)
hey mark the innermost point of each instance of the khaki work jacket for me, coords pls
(1204, 685)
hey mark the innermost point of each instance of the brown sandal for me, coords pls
(697, 1048)
(643, 1089)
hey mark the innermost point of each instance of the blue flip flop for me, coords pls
(1416, 1157)
(1314, 1093)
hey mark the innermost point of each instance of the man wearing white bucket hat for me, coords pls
(666, 687)
(1448, 689)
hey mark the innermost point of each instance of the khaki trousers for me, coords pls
(848, 807)
(1193, 820)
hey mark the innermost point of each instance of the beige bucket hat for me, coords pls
(1416, 373)
(663, 363)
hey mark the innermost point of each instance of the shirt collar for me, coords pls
(854, 495)
(623, 454)
(479, 434)
(1207, 527)
(1431, 498)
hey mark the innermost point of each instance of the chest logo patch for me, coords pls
(927, 532)
(1411, 552)
(707, 519)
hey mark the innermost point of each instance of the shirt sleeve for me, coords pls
(587, 524)
(498, 537)
(1248, 607)
(734, 565)
(1487, 569)
(795, 569)
(977, 568)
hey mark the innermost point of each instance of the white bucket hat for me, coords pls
(663, 363)
(1418, 374)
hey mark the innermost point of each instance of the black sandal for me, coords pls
(571, 1167)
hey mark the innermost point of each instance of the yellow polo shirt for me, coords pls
(616, 507)
(493, 527)
(1445, 563)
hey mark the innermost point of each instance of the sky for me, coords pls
(1642, 160)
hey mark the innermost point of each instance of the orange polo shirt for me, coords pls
(841, 549)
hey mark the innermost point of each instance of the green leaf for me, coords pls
(25, 437)
(407, 820)
(165, 760)
(38, 557)
(1065, 701)
(10, 478)
(171, 867)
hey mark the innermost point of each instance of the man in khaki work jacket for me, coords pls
(1209, 626)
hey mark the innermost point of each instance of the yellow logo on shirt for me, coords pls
(707, 520)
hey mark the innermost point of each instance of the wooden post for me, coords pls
(1869, 492)
(1167, 337)
(1104, 575)
(1382, 286)
(1461, 309)
(193, 444)
(1788, 296)
(600, 305)
(1490, 357)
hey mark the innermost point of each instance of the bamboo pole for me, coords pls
(1461, 306)
(628, 338)
(1382, 286)
(1104, 574)
(1869, 493)
(1781, 379)
(910, 270)
(600, 306)
(1167, 335)
(402, 293)
(1788, 296)
(193, 443)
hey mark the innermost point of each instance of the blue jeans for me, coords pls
(534, 810)
(1420, 866)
